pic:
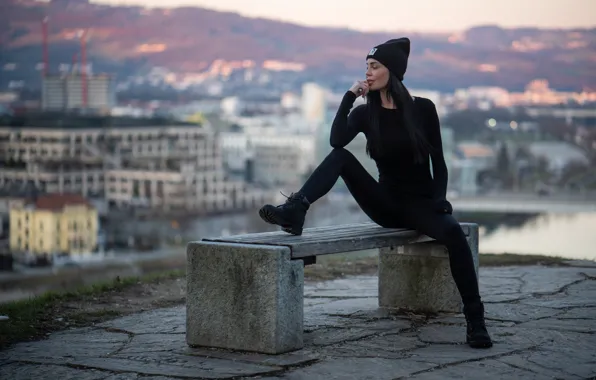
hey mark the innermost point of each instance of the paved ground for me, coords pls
(543, 322)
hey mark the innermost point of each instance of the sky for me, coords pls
(416, 15)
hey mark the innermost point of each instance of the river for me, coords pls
(571, 235)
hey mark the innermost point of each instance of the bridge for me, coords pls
(525, 203)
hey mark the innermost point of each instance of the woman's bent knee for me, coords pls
(341, 154)
(453, 233)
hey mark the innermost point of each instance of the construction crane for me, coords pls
(83, 35)
(83, 70)
(44, 33)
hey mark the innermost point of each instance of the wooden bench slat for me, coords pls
(331, 239)
(313, 234)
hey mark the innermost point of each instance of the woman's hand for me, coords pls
(360, 88)
(443, 206)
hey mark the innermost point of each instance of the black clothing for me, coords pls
(405, 196)
(290, 215)
(477, 335)
(397, 169)
(393, 54)
(392, 210)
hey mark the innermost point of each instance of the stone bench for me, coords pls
(245, 292)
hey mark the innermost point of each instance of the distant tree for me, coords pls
(522, 153)
(503, 169)
(556, 128)
(503, 163)
(543, 172)
(573, 171)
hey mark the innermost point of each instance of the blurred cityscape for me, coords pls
(98, 164)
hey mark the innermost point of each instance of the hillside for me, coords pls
(124, 39)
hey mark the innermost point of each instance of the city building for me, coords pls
(558, 154)
(469, 160)
(314, 105)
(74, 91)
(53, 224)
(271, 158)
(175, 166)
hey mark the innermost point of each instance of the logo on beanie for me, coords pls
(372, 51)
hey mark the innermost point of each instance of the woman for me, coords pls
(403, 136)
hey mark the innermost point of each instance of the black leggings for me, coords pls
(397, 212)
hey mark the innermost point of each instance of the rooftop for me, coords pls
(57, 202)
(76, 121)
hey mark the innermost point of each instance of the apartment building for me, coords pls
(157, 166)
(274, 159)
(277, 164)
(66, 92)
(55, 223)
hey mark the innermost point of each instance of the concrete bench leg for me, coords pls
(418, 277)
(244, 297)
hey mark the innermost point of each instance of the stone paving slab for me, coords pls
(542, 320)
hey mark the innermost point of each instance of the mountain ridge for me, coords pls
(188, 39)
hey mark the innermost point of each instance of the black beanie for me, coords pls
(393, 54)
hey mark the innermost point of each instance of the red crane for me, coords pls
(44, 31)
(84, 67)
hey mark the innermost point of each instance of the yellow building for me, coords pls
(53, 224)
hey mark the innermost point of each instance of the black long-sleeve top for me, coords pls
(397, 167)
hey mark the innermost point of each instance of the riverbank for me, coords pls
(35, 317)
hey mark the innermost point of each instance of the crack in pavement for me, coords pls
(559, 312)
(282, 369)
(526, 357)
(455, 363)
(512, 301)
(561, 290)
(231, 377)
(338, 298)
(518, 367)
(285, 370)
(130, 334)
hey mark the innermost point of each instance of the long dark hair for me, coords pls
(399, 94)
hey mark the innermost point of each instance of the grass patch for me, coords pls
(366, 262)
(35, 317)
(506, 259)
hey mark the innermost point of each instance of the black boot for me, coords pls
(476, 334)
(290, 215)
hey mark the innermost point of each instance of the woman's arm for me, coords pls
(347, 125)
(440, 175)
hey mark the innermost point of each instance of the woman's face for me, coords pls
(377, 75)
